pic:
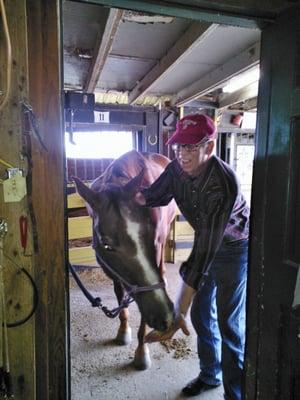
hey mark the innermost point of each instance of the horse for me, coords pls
(129, 241)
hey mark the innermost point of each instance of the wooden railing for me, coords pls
(79, 229)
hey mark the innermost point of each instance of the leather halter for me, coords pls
(131, 290)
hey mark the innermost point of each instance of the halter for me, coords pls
(131, 290)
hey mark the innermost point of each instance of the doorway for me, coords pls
(246, 42)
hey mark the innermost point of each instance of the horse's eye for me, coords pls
(107, 247)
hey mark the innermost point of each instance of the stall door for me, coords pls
(273, 344)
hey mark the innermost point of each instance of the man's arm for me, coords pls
(184, 299)
(160, 193)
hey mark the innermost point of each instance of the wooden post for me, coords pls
(44, 50)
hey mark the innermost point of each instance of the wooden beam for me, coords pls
(51, 352)
(102, 48)
(246, 105)
(194, 35)
(249, 13)
(80, 227)
(247, 92)
(82, 256)
(75, 201)
(216, 78)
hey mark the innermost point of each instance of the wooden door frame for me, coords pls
(260, 163)
(185, 11)
(48, 199)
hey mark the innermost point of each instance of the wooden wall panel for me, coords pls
(17, 289)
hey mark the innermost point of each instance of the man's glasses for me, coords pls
(189, 148)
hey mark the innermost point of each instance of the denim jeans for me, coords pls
(218, 316)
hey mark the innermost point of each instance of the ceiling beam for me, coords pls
(245, 105)
(217, 77)
(247, 13)
(195, 34)
(102, 48)
(246, 93)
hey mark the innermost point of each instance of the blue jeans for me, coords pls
(218, 316)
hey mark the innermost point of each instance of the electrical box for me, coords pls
(79, 107)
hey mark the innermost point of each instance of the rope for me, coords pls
(33, 125)
(96, 301)
(8, 54)
(5, 162)
(131, 290)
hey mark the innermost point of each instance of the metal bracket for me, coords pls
(3, 228)
(11, 172)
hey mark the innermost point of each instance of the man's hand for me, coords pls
(184, 299)
(157, 336)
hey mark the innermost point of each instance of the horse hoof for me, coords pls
(142, 362)
(124, 338)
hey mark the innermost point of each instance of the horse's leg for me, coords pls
(124, 336)
(142, 358)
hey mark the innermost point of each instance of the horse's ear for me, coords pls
(133, 186)
(85, 192)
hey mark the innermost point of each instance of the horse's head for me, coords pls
(124, 235)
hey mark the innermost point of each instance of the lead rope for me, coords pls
(130, 289)
(5, 377)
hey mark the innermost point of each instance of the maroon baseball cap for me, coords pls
(193, 129)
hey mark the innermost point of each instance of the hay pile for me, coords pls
(178, 347)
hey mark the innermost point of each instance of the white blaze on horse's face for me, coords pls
(134, 232)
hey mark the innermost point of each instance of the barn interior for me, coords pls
(122, 95)
(136, 94)
(122, 73)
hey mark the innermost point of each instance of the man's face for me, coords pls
(192, 157)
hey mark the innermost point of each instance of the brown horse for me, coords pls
(130, 239)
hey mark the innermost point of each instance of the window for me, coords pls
(104, 144)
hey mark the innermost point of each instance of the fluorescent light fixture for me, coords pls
(242, 80)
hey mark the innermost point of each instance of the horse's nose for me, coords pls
(162, 324)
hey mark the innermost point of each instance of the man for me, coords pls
(214, 277)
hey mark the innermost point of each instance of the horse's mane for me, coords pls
(129, 165)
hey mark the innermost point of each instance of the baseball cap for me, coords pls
(193, 129)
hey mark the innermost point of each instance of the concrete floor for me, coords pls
(102, 370)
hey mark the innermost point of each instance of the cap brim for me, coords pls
(182, 138)
(171, 139)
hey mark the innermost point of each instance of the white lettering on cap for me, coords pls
(187, 122)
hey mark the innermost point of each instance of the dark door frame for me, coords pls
(222, 14)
